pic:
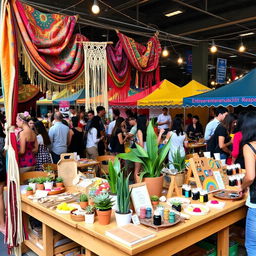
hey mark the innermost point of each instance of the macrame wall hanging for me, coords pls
(95, 66)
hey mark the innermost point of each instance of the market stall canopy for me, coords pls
(241, 92)
(72, 98)
(161, 97)
(190, 89)
(61, 94)
(131, 101)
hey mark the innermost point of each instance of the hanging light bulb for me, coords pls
(180, 60)
(72, 90)
(241, 47)
(95, 7)
(165, 52)
(212, 83)
(213, 48)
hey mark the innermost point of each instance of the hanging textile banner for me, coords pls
(49, 43)
(144, 59)
(9, 76)
(119, 70)
(221, 70)
(95, 64)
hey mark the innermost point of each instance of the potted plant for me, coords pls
(154, 200)
(83, 201)
(113, 171)
(103, 205)
(152, 161)
(89, 214)
(32, 183)
(29, 191)
(179, 164)
(48, 184)
(124, 213)
(176, 206)
(40, 183)
(59, 182)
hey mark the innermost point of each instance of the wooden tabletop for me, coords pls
(98, 231)
(196, 145)
(89, 163)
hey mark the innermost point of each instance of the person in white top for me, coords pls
(116, 114)
(178, 140)
(220, 114)
(164, 120)
(93, 139)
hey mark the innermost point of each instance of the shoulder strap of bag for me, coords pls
(252, 148)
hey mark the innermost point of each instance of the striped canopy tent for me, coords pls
(72, 98)
(131, 101)
(58, 95)
(164, 96)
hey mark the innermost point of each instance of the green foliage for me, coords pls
(178, 161)
(154, 198)
(48, 179)
(59, 180)
(33, 180)
(152, 159)
(89, 209)
(40, 180)
(123, 193)
(83, 198)
(113, 170)
(29, 189)
(103, 202)
(176, 203)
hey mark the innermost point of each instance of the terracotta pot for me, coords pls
(180, 178)
(59, 184)
(104, 216)
(76, 217)
(91, 201)
(83, 205)
(40, 186)
(154, 185)
(29, 193)
(155, 203)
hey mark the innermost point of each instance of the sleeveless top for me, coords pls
(251, 199)
(77, 142)
(28, 158)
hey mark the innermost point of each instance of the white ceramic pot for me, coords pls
(123, 219)
(48, 185)
(32, 185)
(114, 199)
(89, 218)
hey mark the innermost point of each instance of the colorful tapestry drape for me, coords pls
(9, 75)
(144, 59)
(119, 70)
(49, 43)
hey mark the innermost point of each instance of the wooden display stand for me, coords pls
(67, 168)
(173, 187)
(201, 170)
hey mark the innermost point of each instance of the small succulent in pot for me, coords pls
(83, 201)
(40, 183)
(33, 180)
(48, 184)
(29, 191)
(90, 209)
(59, 182)
(176, 206)
(154, 199)
(89, 214)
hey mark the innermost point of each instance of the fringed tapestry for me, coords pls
(119, 70)
(95, 64)
(144, 59)
(50, 52)
(9, 76)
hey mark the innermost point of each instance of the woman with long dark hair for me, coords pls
(195, 129)
(117, 137)
(178, 140)
(249, 181)
(93, 138)
(43, 155)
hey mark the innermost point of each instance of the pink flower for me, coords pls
(26, 114)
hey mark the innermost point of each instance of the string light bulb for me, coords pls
(180, 60)
(212, 83)
(213, 48)
(95, 7)
(165, 52)
(72, 90)
(241, 48)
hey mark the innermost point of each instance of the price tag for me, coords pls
(135, 219)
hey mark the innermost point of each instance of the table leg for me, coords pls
(47, 240)
(89, 253)
(223, 242)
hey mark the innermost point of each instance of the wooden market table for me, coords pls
(166, 242)
(193, 146)
(90, 163)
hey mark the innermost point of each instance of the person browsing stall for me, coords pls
(164, 120)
